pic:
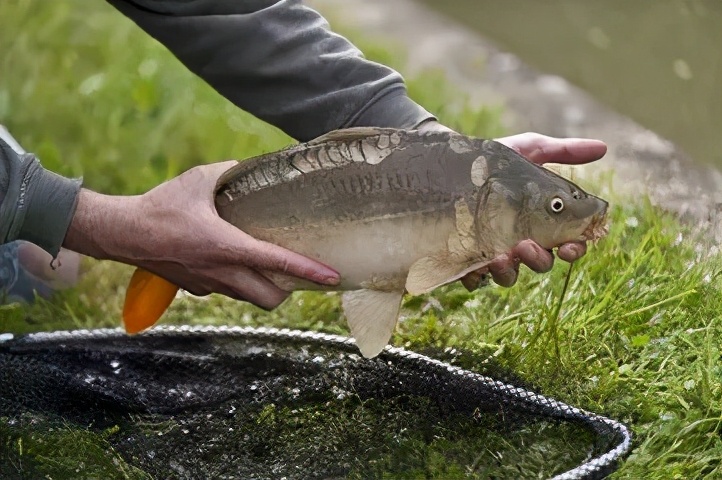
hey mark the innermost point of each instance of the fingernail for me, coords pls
(328, 277)
(576, 251)
(540, 251)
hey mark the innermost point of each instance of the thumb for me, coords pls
(544, 149)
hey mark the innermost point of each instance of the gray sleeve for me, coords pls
(279, 61)
(35, 204)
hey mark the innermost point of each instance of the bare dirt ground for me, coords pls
(639, 161)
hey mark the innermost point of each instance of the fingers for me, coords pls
(533, 256)
(251, 286)
(505, 268)
(236, 282)
(232, 268)
(476, 279)
(570, 252)
(543, 149)
(266, 256)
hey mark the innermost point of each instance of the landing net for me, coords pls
(233, 402)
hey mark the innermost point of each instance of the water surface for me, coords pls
(658, 62)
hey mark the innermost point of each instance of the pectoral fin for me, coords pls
(431, 272)
(147, 297)
(372, 317)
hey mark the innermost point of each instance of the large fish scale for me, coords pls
(359, 180)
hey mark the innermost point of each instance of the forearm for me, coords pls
(279, 61)
(103, 226)
(35, 204)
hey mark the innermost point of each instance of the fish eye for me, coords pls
(557, 204)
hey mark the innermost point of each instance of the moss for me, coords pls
(64, 451)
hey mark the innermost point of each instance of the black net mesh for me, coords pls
(264, 403)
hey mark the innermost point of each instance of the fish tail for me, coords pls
(147, 297)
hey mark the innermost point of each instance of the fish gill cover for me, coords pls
(236, 402)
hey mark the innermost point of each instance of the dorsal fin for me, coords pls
(353, 133)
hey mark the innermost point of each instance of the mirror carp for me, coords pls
(394, 212)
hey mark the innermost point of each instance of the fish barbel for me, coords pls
(393, 211)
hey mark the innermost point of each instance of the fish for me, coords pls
(395, 212)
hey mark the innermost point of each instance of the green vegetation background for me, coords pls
(636, 336)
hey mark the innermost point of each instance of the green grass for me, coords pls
(62, 452)
(636, 336)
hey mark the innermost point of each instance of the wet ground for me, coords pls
(639, 161)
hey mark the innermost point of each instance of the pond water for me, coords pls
(659, 63)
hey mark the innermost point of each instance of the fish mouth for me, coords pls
(597, 228)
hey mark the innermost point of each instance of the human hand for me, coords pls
(175, 232)
(539, 149)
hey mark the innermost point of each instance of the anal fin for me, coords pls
(371, 316)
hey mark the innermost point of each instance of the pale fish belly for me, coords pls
(373, 254)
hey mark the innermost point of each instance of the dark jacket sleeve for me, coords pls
(279, 61)
(35, 204)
